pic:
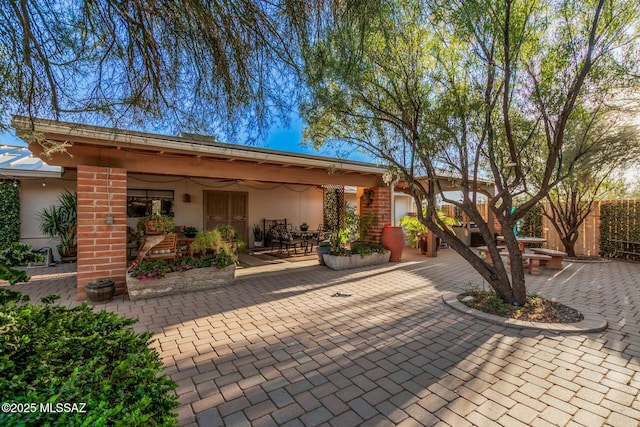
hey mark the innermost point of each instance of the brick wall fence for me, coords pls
(102, 248)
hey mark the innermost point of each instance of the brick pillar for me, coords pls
(380, 206)
(102, 248)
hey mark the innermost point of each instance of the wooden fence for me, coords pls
(588, 242)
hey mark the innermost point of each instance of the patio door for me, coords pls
(227, 208)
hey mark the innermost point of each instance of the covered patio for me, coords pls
(209, 183)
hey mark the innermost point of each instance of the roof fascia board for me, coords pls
(16, 173)
(119, 138)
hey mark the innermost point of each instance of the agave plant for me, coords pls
(61, 220)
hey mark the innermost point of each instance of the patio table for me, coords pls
(523, 241)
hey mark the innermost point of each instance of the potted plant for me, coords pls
(229, 235)
(362, 256)
(207, 242)
(323, 248)
(61, 221)
(190, 232)
(156, 224)
(417, 231)
(257, 236)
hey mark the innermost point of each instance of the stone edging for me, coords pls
(592, 322)
(589, 261)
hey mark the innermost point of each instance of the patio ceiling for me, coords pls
(188, 155)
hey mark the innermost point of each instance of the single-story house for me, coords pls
(121, 175)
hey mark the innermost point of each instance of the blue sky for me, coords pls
(279, 138)
(290, 139)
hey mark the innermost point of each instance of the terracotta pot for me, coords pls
(393, 239)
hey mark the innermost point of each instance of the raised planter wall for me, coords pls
(336, 262)
(198, 279)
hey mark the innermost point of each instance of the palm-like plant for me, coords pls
(61, 220)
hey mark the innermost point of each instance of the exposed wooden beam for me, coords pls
(136, 161)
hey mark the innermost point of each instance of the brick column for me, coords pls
(102, 248)
(381, 208)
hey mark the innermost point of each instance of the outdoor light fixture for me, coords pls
(368, 194)
(44, 182)
(186, 198)
(109, 220)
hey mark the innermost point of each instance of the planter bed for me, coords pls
(198, 279)
(336, 262)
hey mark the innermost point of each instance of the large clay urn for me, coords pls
(393, 240)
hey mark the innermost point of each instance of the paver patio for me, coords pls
(278, 349)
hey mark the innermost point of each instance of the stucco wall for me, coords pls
(296, 203)
(33, 197)
(403, 204)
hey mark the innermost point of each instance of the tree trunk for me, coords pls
(569, 243)
(509, 286)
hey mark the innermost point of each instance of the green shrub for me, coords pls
(12, 276)
(361, 250)
(18, 254)
(50, 354)
(157, 269)
(9, 212)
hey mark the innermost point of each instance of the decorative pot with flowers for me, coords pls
(190, 232)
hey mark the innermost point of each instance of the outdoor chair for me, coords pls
(281, 237)
(323, 234)
(156, 246)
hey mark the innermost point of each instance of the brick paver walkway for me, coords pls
(278, 349)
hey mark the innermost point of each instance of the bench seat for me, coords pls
(532, 261)
(555, 263)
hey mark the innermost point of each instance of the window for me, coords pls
(146, 202)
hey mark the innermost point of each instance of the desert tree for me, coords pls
(206, 66)
(608, 145)
(474, 90)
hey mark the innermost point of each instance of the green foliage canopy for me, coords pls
(471, 90)
(203, 66)
(9, 212)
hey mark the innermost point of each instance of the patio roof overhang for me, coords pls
(188, 155)
(450, 183)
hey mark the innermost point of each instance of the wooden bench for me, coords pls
(484, 251)
(625, 248)
(156, 247)
(166, 249)
(555, 263)
(531, 261)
